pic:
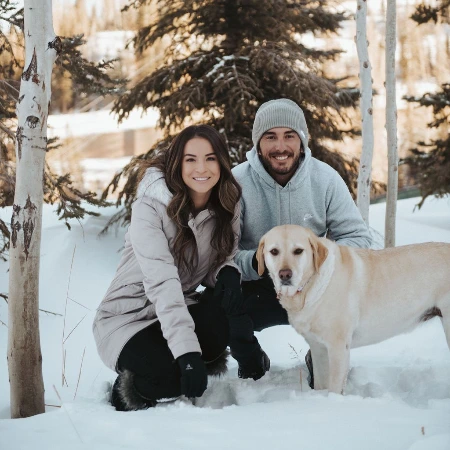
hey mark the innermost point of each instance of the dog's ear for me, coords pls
(260, 257)
(320, 252)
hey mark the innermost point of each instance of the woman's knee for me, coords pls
(211, 328)
(147, 353)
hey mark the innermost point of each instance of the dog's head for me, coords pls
(292, 254)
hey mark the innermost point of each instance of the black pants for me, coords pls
(148, 356)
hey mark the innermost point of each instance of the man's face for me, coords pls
(280, 150)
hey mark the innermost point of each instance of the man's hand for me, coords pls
(194, 379)
(228, 287)
(254, 366)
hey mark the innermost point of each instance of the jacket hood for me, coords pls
(153, 184)
(296, 180)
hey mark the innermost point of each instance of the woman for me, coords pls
(153, 327)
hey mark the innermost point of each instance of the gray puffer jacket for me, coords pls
(148, 286)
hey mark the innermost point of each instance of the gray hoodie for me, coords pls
(315, 197)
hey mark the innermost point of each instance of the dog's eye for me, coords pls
(274, 251)
(298, 251)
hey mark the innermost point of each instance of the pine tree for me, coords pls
(429, 162)
(87, 77)
(225, 58)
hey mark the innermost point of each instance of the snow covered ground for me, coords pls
(398, 394)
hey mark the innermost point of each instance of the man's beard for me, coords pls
(267, 163)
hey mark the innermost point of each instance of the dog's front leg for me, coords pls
(339, 360)
(319, 355)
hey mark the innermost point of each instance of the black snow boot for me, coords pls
(125, 397)
(309, 365)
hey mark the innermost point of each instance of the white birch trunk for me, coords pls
(24, 352)
(391, 125)
(365, 77)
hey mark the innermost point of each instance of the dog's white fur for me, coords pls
(341, 297)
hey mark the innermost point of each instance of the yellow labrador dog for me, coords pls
(340, 298)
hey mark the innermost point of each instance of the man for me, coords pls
(282, 184)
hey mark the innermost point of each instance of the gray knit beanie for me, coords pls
(283, 113)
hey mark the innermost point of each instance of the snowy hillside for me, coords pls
(398, 394)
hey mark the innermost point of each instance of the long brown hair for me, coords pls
(222, 202)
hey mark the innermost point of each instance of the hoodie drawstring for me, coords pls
(277, 187)
(289, 202)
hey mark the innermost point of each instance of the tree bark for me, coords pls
(24, 352)
(365, 77)
(391, 125)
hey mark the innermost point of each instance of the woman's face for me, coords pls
(200, 170)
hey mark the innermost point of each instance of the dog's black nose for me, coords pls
(285, 275)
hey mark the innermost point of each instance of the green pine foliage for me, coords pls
(429, 162)
(425, 13)
(227, 57)
(88, 77)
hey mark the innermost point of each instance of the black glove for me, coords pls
(255, 267)
(228, 286)
(194, 379)
(254, 365)
(245, 348)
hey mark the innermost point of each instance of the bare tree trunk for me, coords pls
(391, 125)
(24, 352)
(365, 76)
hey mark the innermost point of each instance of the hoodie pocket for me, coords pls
(125, 300)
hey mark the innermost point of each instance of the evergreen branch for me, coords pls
(9, 95)
(7, 69)
(425, 13)
(316, 16)
(429, 163)
(163, 82)
(439, 101)
(5, 236)
(292, 74)
(7, 179)
(431, 168)
(7, 131)
(59, 189)
(11, 14)
(89, 77)
(277, 21)
(231, 81)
